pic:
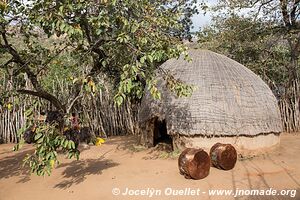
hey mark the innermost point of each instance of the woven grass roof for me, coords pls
(229, 99)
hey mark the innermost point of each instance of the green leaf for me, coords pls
(142, 60)
(66, 143)
(38, 136)
(119, 100)
(70, 155)
(49, 156)
(62, 27)
(62, 142)
(134, 28)
(150, 58)
(16, 147)
(113, 2)
(40, 141)
(72, 144)
(61, 8)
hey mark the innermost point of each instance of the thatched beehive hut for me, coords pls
(231, 104)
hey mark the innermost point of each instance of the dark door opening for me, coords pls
(161, 134)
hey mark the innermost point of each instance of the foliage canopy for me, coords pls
(120, 43)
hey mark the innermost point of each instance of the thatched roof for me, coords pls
(229, 100)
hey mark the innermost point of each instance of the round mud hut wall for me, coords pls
(230, 104)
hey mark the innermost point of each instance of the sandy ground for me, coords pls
(116, 165)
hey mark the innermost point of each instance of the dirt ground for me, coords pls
(118, 164)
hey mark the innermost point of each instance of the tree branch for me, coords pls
(85, 26)
(284, 12)
(45, 95)
(260, 7)
(40, 92)
(293, 12)
(72, 103)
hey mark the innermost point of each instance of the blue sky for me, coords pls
(201, 20)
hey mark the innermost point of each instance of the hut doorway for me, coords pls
(161, 134)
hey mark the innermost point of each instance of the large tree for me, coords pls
(281, 18)
(124, 41)
(264, 35)
(249, 43)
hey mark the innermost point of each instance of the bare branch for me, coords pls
(284, 12)
(293, 12)
(260, 8)
(72, 103)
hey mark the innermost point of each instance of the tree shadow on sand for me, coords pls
(254, 170)
(11, 166)
(77, 171)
